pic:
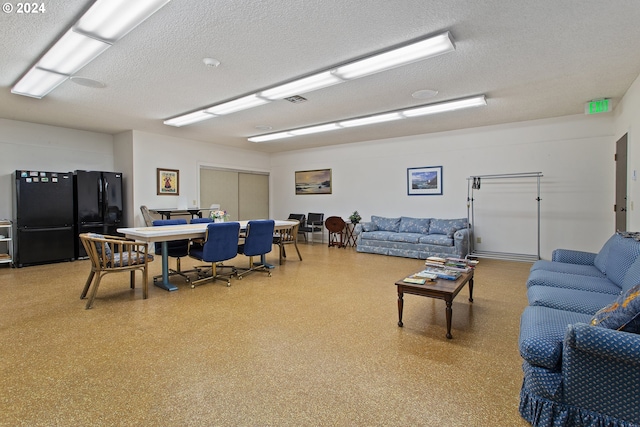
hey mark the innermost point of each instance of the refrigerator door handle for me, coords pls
(99, 191)
(105, 205)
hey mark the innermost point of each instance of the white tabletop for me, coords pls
(179, 232)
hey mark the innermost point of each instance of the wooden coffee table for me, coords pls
(441, 289)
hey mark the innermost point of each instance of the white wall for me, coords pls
(37, 147)
(627, 114)
(152, 151)
(574, 153)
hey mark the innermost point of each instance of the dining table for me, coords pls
(169, 233)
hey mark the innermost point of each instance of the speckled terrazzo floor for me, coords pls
(317, 344)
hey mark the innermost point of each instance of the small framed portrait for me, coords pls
(168, 182)
(425, 181)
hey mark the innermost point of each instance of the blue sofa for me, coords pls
(578, 369)
(414, 237)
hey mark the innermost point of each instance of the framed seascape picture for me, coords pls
(426, 181)
(168, 182)
(313, 182)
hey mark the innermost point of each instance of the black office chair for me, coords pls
(175, 249)
(220, 244)
(314, 224)
(301, 219)
(258, 241)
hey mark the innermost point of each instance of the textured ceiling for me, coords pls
(533, 59)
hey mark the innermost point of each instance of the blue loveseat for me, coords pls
(414, 237)
(581, 365)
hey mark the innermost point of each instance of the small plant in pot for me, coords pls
(355, 217)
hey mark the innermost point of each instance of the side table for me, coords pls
(350, 236)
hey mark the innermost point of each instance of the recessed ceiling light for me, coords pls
(83, 81)
(264, 127)
(424, 94)
(211, 62)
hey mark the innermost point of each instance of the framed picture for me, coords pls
(313, 182)
(425, 181)
(168, 182)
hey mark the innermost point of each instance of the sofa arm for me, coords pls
(601, 370)
(573, 257)
(461, 240)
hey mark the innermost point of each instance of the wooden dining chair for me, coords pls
(287, 236)
(110, 254)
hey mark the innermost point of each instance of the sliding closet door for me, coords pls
(220, 187)
(243, 195)
(253, 196)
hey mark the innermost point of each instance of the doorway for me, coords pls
(621, 184)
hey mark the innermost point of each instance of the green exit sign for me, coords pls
(597, 106)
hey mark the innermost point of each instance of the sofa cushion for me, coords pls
(542, 331)
(405, 237)
(377, 235)
(632, 276)
(436, 239)
(446, 226)
(572, 281)
(369, 226)
(442, 226)
(623, 314)
(600, 261)
(586, 302)
(564, 267)
(386, 224)
(621, 256)
(414, 225)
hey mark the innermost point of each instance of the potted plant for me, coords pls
(355, 217)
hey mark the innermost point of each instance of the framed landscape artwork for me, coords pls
(168, 182)
(426, 181)
(313, 182)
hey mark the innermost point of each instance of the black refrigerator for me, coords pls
(98, 201)
(43, 216)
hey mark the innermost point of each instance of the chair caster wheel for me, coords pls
(239, 277)
(228, 284)
(193, 286)
(269, 274)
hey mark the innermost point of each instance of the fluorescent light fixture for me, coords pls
(380, 118)
(315, 129)
(474, 101)
(38, 83)
(239, 104)
(105, 22)
(270, 137)
(441, 107)
(418, 51)
(110, 20)
(403, 55)
(72, 52)
(304, 85)
(188, 119)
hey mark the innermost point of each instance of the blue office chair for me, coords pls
(200, 220)
(220, 244)
(175, 249)
(258, 241)
(197, 243)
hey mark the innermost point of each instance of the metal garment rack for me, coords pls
(474, 183)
